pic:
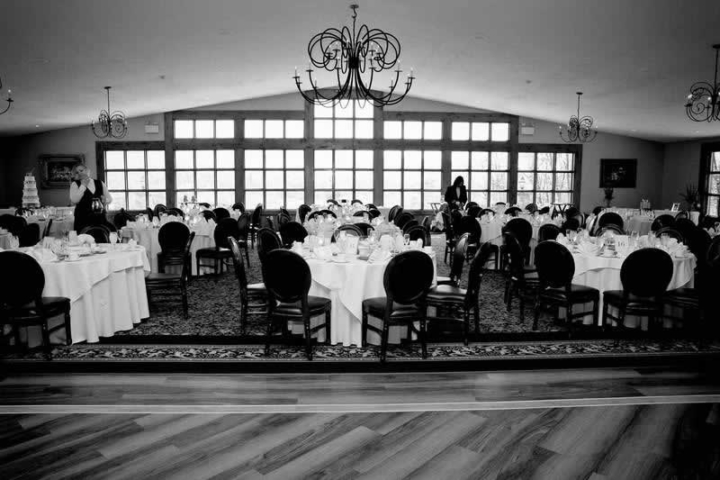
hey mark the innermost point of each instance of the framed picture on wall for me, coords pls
(56, 169)
(618, 173)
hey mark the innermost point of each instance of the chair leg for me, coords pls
(68, 328)
(16, 334)
(596, 307)
(268, 335)
(569, 318)
(466, 322)
(364, 329)
(508, 295)
(328, 329)
(47, 348)
(247, 255)
(423, 340)
(243, 317)
(384, 341)
(536, 315)
(522, 306)
(476, 311)
(308, 339)
(183, 290)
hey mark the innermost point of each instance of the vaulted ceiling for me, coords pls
(634, 59)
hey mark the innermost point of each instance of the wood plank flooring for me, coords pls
(647, 424)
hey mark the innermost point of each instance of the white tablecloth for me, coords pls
(106, 291)
(148, 238)
(347, 285)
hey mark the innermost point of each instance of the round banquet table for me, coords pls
(347, 285)
(603, 273)
(148, 238)
(106, 291)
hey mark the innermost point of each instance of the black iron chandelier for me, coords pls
(703, 101)
(578, 129)
(354, 57)
(113, 125)
(9, 99)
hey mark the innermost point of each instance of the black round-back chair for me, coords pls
(209, 215)
(30, 235)
(349, 229)
(291, 232)
(365, 228)
(12, 223)
(611, 227)
(513, 211)
(407, 280)
(221, 213)
(662, 221)
(255, 225)
(252, 296)
(610, 218)
(394, 212)
(159, 208)
(549, 231)
(302, 211)
(402, 218)
(239, 206)
(268, 241)
(416, 232)
(220, 253)
(100, 233)
(645, 275)
(175, 212)
(520, 279)
(556, 268)
(121, 218)
(374, 213)
(173, 238)
(243, 222)
(287, 279)
(21, 301)
(474, 210)
(522, 230)
(670, 233)
(162, 285)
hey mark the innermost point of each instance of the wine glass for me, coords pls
(113, 239)
(406, 240)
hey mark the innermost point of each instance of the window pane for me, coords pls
(180, 196)
(323, 179)
(715, 162)
(115, 160)
(204, 128)
(226, 179)
(274, 128)
(275, 179)
(323, 128)
(343, 195)
(543, 198)
(363, 109)
(183, 159)
(431, 197)
(294, 158)
(364, 129)
(563, 181)
(344, 111)
(526, 161)
(343, 179)
(254, 179)
(496, 197)
(544, 181)
(253, 129)
(433, 160)
(412, 180)
(343, 129)
(225, 158)
(364, 179)
(433, 130)
(274, 159)
(253, 159)
(478, 181)
(204, 159)
(323, 159)
(294, 129)
(343, 159)
(432, 181)
(253, 199)
(393, 159)
(185, 180)
(136, 181)
(365, 196)
(206, 180)
(564, 197)
(392, 129)
(183, 129)
(412, 200)
(156, 159)
(526, 181)
(480, 160)
(295, 179)
(498, 181)
(156, 180)
(136, 201)
(157, 198)
(460, 131)
(364, 159)
(225, 129)
(226, 198)
(524, 198)
(321, 111)
(392, 180)
(481, 198)
(294, 199)
(459, 160)
(413, 159)
(115, 180)
(135, 159)
(480, 131)
(544, 161)
(322, 196)
(565, 161)
(499, 160)
(714, 184)
(500, 132)
(392, 198)
(413, 130)
(713, 206)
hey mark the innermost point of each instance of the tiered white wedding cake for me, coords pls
(30, 193)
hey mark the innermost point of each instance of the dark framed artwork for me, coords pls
(618, 173)
(56, 169)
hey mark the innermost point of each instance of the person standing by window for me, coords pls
(457, 193)
(90, 198)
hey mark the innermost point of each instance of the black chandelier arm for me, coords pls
(9, 104)
(702, 102)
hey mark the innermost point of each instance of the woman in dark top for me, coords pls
(90, 198)
(456, 193)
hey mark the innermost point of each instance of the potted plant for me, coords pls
(691, 197)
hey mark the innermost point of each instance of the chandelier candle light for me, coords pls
(703, 101)
(354, 57)
(579, 129)
(9, 99)
(113, 125)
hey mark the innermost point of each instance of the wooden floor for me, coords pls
(584, 424)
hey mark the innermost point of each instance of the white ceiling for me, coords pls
(634, 59)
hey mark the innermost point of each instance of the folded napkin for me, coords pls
(386, 242)
(587, 248)
(84, 238)
(379, 256)
(43, 255)
(132, 243)
(323, 253)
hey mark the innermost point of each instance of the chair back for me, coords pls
(571, 223)
(221, 213)
(477, 269)
(173, 237)
(287, 276)
(243, 223)
(175, 212)
(239, 265)
(25, 284)
(471, 225)
(374, 212)
(610, 227)
(458, 261)
(281, 219)
(402, 218)
(416, 232)
(209, 215)
(474, 210)
(549, 231)
(555, 264)
(447, 222)
(370, 206)
(394, 212)
(303, 210)
(610, 218)
(227, 227)
(159, 208)
(98, 232)
(30, 235)
(646, 272)
(356, 201)
(256, 216)
(121, 218)
(292, 232)
(515, 254)
(672, 233)
(713, 251)
(662, 221)
(350, 229)
(13, 224)
(408, 277)
(521, 229)
(409, 225)
(531, 208)
(239, 206)
(267, 241)
(365, 228)
(512, 211)
(204, 204)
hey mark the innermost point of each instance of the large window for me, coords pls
(710, 179)
(486, 175)
(412, 178)
(209, 175)
(545, 178)
(354, 120)
(135, 178)
(275, 178)
(343, 174)
(204, 129)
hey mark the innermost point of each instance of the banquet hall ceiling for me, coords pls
(635, 60)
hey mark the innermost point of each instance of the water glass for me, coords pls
(406, 239)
